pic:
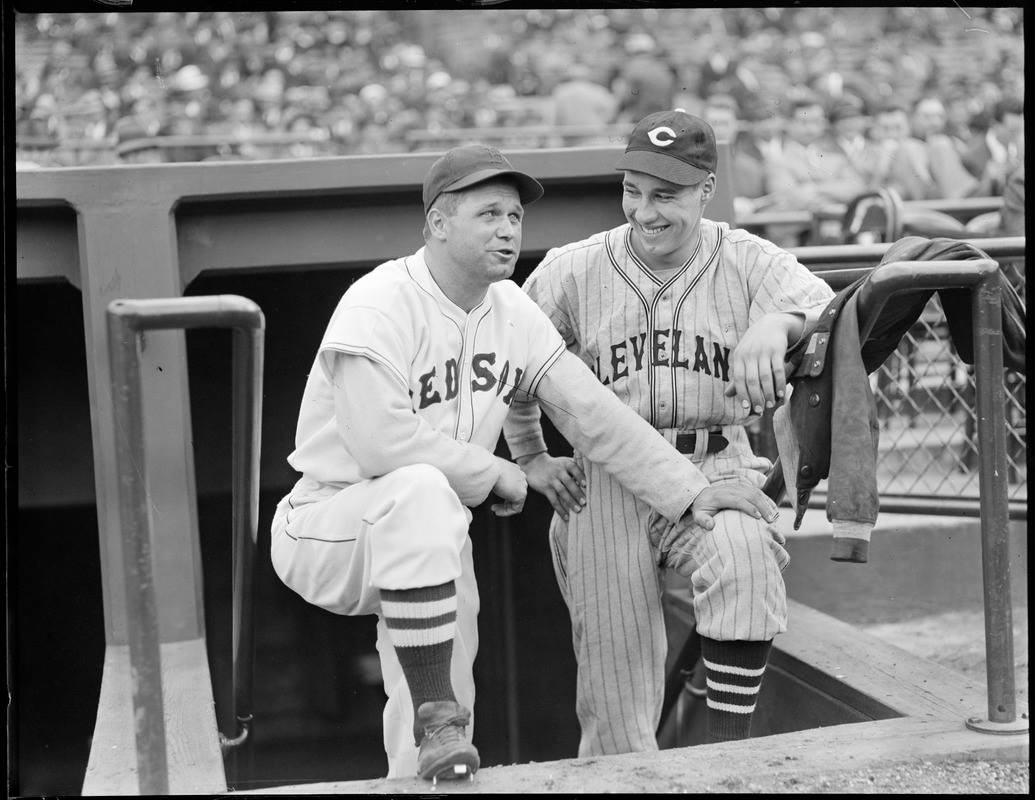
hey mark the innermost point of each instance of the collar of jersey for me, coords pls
(417, 267)
(646, 270)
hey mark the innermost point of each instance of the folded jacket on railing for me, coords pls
(828, 428)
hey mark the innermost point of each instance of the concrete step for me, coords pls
(719, 768)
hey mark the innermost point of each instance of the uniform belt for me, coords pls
(686, 443)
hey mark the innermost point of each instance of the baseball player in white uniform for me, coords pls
(687, 321)
(401, 414)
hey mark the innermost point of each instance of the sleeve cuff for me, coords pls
(851, 541)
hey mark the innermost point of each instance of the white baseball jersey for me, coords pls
(461, 372)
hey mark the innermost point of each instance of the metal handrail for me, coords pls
(823, 259)
(982, 277)
(127, 319)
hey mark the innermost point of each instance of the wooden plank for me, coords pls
(867, 673)
(192, 739)
(689, 769)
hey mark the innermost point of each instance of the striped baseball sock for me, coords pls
(735, 671)
(421, 624)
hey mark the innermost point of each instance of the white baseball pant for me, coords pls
(338, 548)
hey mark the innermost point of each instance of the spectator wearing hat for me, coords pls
(848, 125)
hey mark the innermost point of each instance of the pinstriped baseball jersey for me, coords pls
(662, 342)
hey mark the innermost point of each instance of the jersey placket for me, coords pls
(657, 290)
(468, 335)
(677, 313)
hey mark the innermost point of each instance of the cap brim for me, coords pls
(529, 189)
(661, 166)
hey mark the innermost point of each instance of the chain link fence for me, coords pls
(925, 397)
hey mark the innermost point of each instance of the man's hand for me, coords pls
(559, 480)
(757, 361)
(511, 487)
(739, 496)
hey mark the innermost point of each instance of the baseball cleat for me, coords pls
(456, 772)
(445, 753)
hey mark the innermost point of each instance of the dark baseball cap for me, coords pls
(472, 164)
(672, 145)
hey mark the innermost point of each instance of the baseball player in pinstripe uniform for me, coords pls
(687, 321)
(400, 417)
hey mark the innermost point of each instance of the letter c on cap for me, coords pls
(661, 137)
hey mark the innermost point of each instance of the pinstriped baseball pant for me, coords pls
(609, 577)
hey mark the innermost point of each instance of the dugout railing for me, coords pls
(128, 323)
(983, 280)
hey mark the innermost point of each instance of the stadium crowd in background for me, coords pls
(928, 100)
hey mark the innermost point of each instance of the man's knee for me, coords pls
(419, 531)
(424, 486)
(747, 548)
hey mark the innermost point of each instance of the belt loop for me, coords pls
(701, 445)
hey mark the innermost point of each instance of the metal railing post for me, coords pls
(247, 427)
(127, 319)
(995, 544)
(134, 514)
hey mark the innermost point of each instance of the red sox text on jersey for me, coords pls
(483, 380)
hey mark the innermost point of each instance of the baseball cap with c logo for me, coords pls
(672, 145)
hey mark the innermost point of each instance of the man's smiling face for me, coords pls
(664, 216)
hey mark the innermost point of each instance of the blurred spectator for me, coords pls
(578, 100)
(389, 74)
(949, 178)
(849, 124)
(720, 111)
(645, 81)
(810, 172)
(991, 157)
(900, 160)
(1011, 217)
(770, 131)
(135, 144)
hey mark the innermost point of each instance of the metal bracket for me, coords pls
(1019, 725)
(226, 744)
